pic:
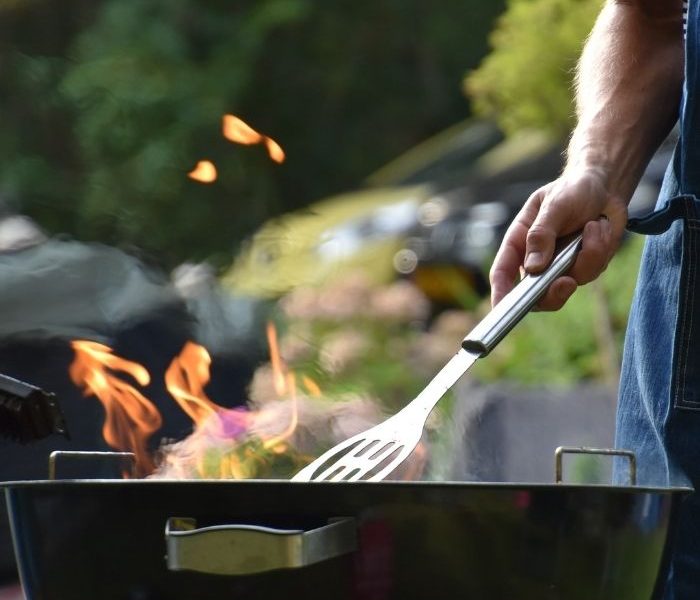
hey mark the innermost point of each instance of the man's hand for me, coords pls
(628, 89)
(575, 201)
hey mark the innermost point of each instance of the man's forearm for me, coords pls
(628, 90)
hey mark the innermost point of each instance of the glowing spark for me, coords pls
(204, 172)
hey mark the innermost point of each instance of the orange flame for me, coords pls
(186, 378)
(218, 446)
(226, 442)
(284, 382)
(130, 418)
(204, 172)
(239, 132)
(311, 386)
(279, 379)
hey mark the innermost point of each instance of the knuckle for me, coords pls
(538, 236)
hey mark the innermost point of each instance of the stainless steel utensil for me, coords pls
(373, 454)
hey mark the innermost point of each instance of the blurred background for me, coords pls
(412, 133)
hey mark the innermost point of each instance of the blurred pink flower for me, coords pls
(454, 324)
(342, 350)
(300, 303)
(294, 348)
(439, 344)
(345, 298)
(401, 301)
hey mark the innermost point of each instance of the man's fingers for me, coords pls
(506, 266)
(557, 294)
(542, 237)
(504, 271)
(596, 250)
(556, 210)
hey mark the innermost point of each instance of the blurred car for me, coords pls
(359, 230)
(436, 215)
(366, 229)
(459, 228)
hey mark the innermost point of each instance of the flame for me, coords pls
(311, 386)
(278, 367)
(224, 433)
(204, 172)
(274, 150)
(186, 378)
(226, 443)
(284, 382)
(238, 131)
(130, 418)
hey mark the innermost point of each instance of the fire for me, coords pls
(278, 369)
(186, 378)
(238, 131)
(214, 425)
(226, 443)
(204, 172)
(130, 418)
(228, 431)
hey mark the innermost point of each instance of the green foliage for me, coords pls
(526, 81)
(113, 102)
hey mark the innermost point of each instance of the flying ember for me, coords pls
(238, 131)
(204, 172)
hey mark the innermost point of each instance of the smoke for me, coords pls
(55, 288)
(254, 443)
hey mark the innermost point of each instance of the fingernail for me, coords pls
(533, 259)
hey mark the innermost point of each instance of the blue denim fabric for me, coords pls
(659, 402)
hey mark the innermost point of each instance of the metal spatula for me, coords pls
(373, 454)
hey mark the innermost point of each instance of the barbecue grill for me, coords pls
(255, 539)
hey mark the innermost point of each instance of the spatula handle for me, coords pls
(518, 302)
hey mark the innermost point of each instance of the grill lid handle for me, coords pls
(249, 549)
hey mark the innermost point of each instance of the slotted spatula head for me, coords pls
(370, 455)
(373, 454)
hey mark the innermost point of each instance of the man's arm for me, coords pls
(627, 96)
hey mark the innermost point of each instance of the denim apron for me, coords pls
(659, 404)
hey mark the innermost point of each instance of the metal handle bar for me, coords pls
(518, 302)
(248, 549)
